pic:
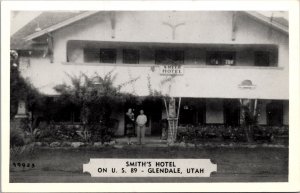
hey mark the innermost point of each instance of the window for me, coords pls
(275, 113)
(187, 115)
(108, 56)
(220, 58)
(192, 112)
(262, 58)
(105, 56)
(169, 57)
(131, 56)
(231, 110)
(91, 55)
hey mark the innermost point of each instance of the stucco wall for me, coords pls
(286, 112)
(205, 82)
(205, 28)
(199, 28)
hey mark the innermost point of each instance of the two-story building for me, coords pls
(220, 57)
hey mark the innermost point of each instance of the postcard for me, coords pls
(132, 96)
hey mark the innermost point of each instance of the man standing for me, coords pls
(141, 121)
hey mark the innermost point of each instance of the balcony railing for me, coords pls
(184, 65)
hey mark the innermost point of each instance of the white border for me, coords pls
(294, 167)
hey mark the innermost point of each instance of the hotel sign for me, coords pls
(106, 167)
(171, 70)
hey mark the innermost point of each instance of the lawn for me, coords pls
(260, 164)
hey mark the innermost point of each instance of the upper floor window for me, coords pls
(108, 56)
(262, 58)
(220, 58)
(169, 57)
(91, 55)
(131, 56)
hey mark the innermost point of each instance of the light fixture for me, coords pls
(38, 27)
(247, 84)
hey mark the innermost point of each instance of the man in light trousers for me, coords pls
(141, 121)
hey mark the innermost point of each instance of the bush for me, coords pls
(262, 134)
(211, 132)
(17, 137)
(19, 151)
(60, 131)
(103, 132)
(47, 133)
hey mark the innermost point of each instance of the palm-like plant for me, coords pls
(89, 92)
(96, 96)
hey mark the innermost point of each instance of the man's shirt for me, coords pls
(141, 119)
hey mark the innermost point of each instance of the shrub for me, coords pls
(47, 133)
(19, 151)
(32, 136)
(17, 137)
(103, 132)
(60, 131)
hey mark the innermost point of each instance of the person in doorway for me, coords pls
(129, 123)
(141, 121)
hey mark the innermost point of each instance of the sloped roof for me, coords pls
(54, 20)
(278, 23)
(44, 20)
(281, 20)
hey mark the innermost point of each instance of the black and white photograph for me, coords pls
(149, 96)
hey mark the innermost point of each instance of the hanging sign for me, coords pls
(171, 69)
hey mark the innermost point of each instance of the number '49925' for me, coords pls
(23, 165)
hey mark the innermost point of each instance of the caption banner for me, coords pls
(150, 167)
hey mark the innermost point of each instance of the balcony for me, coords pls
(200, 80)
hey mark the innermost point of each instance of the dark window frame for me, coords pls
(231, 112)
(126, 59)
(90, 51)
(221, 57)
(275, 113)
(113, 60)
(171, 55)
(260, 54)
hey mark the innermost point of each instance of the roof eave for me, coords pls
(59, 25)
(258, 16)
(267, 21)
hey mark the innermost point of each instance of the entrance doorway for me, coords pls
(275, 113)
(153, 110)
(231, 112)
(192, 111)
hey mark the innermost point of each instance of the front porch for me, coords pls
(216, 135)
(200, 120)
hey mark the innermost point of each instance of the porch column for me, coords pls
(21, 113)
(20, 117)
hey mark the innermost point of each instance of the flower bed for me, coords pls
(75, 132)
(237, 134)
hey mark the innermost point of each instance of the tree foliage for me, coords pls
(249, 116)
(21, 89)
(96, 96)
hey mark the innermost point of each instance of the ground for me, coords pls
(235, 164)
